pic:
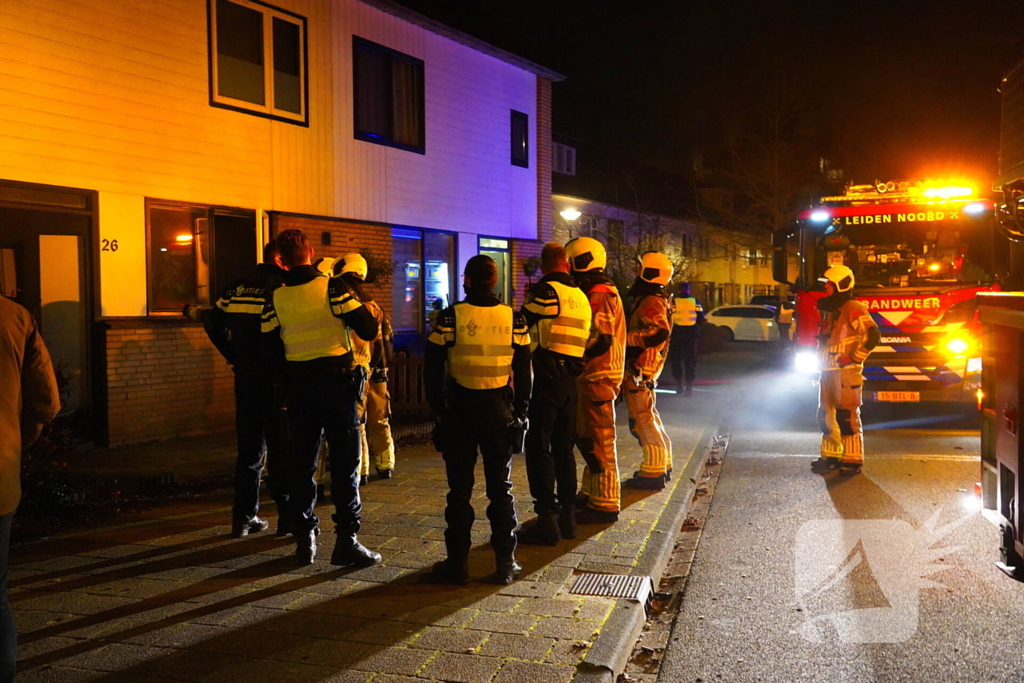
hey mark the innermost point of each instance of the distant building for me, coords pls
(150, 149)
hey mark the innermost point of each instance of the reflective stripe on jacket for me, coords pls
(309, 328)
(610, 320)
(482, 355)
(686, 311)
(848, 331)
(568, 330)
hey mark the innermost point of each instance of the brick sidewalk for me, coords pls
(170, 596)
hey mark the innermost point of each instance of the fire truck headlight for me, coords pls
(975, 208)
(957, 346)
(820, 216)
(973, 365)
(806, 362)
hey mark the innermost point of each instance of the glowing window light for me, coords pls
(183, 238)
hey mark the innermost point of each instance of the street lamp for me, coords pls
(569, 214)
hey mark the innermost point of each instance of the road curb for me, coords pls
(611, 649)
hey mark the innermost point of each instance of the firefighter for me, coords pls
(310, 322)
(487, 348)
(261, 422)
(559, 316)
(599, 383)
(647, 342)
(375, 356)
(846, 336)
(686, 322)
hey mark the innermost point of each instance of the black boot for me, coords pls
(541, 531)
(348, 552)
(242, 528)
(305, 547)
(824, 464)
(645, 483)
(385, 474)
(452, 571)
(567, 521)
(589, 515)
(508, 570)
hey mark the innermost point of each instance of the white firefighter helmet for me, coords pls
(840, 276)
(585, 253)
(655, 267)
(352, 263)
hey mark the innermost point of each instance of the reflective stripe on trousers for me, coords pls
(839, 401)
(595, 426)
(375, 428)
(645, 423)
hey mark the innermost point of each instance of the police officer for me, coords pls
(559, 316)
(599, 384)
(847, 334)
(784, 319)
(686, 322)
(375, 356)
(261, 422)
(647, 341)
(487, 348)
(311, 321)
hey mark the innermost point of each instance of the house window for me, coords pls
(388, 96)
(424, 277)
(520, 139)
(195, 252)
(565, 159)
(258, 60)
(498, 249)
(687, 246)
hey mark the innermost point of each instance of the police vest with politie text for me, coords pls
(568, 331)
(482, 354)
(309, 326)
(687, 311)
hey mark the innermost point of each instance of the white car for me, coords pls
(746, 322)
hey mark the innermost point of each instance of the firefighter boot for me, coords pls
(349, 552)
(824, 464)
(508, 570)
(541, 531)
(646, 483)
(589, 515)
(452, 570)
(567, 521)
(848, 469)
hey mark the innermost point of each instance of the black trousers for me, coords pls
(478, 423)
(550, 460)
(324, 398)
(264, 438)
(682, 352)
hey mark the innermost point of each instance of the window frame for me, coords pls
(211, 213)
(357, 43)
(566, 168)
(453, 273)
(525, 118)
(269, 13)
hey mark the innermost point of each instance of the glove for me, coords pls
(191, 312)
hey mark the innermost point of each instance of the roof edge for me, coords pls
(413, 17)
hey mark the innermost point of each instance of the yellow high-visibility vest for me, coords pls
(362, 350)
(686, 312)
(785, 315)
(566, 333)
(309, 329)
(482, 355)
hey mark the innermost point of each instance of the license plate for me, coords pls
(898, 396)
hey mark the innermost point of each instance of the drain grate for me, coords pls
(638, 588)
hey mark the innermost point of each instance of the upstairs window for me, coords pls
(388, 96)
(520, 139)
(565, 159)
(258, 60)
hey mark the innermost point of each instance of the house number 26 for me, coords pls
(109, 245)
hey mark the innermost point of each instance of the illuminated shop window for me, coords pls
(258, 60)
(195, 252)
(388, 97)
(424, 278)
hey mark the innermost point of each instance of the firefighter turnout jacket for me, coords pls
(559, 315)
(605, 357)
(648, 332)
(848, 331)
(315, 317)
(688, 312)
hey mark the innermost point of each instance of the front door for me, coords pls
(42, 267)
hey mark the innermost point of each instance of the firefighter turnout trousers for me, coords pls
(375, 428)
(595, 424)
(481, 427)
(324, 398)
(264, 438)
(645, 424)
(839, 401)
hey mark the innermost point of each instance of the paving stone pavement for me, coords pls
(170, 596)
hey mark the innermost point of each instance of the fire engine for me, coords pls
(920, 251)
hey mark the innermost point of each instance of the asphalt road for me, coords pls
(886, 576)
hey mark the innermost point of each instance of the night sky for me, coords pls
(890, 89)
